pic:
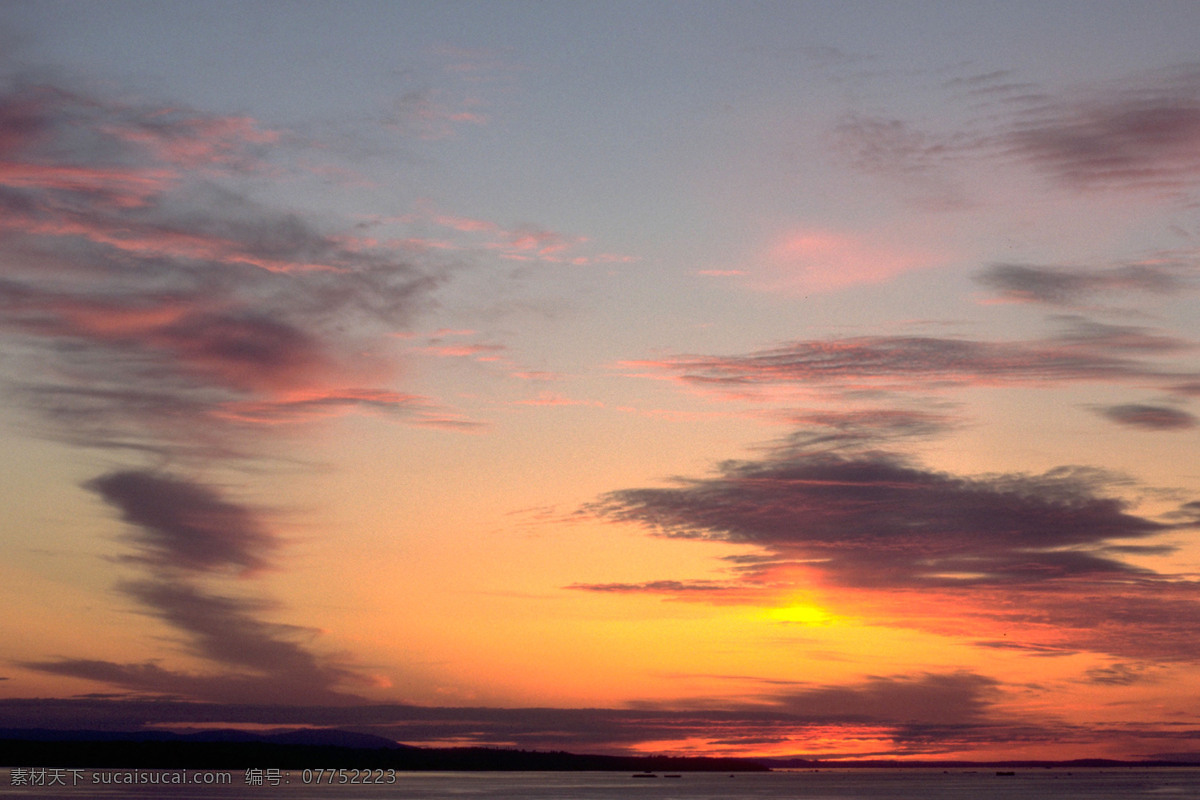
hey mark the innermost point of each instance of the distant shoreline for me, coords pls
(340, 750)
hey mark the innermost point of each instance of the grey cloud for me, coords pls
(1083, 335)
(218, 688)
(881, 144)
(155, 422)
(948, 699)
(1117, 674)
(919, 161)
(185, 532)
(185, 525)
(228, 630)
(897, 704)
(847, 430)
(1041, 650)
(874, 519)
(1145, 135)
(1149, 417)
(254, 660)
(1070, 286)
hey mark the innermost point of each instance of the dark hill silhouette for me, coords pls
(309, 749)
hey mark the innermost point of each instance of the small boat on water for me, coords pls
(646, 774)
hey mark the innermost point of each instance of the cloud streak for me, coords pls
(1085, 352)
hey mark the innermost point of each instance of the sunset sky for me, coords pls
(813, 379)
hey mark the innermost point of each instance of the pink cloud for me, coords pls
(813, 260)
(548, 398)
(152, 240)
(466, 224)
(433, 114)
(520, 242)
(194, 140)
(536, 375)
(120, 186)
(236, 350)
(464, 350)
(307, 405)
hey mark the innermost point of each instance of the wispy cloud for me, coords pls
(250, 659)
(1083, 351)
(449, 90)
(1137, 134)
(427, 228)
(433, 114)
(920, 163)
(548, 398)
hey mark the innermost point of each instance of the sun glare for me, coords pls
(801, 613)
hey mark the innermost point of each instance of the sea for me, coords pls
(1115, 783)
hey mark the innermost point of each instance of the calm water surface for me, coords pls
(860, 784)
